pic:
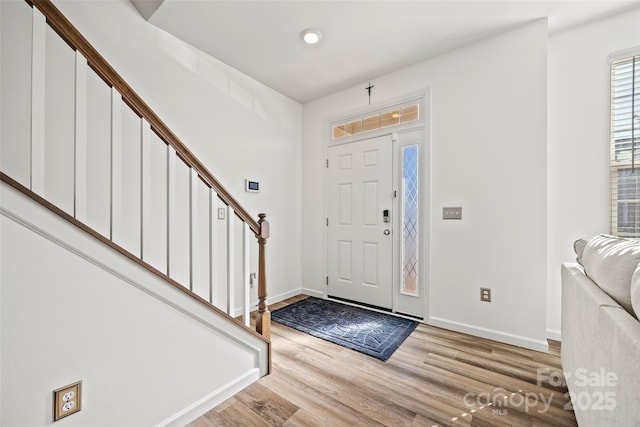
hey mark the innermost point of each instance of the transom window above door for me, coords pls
(389, 116)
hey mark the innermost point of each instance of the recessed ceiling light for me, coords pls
(311, 36)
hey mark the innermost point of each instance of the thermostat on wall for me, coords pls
(251, 186)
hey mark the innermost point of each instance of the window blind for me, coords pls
(625, 147)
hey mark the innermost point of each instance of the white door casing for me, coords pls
(360, 242)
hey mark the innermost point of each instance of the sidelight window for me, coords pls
(409, 218)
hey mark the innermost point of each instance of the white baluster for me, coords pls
(38, 73)
(230, 262)
(116, 197)
(146, 197)
(213, 243)
(246, 232)
(80, 141)
(172, 228)
(193, 227)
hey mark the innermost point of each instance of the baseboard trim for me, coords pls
(211, 400)
(554, 335)
(313, 293)
(520, 341)
(272, 300)
(277, 298)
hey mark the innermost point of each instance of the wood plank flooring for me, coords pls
(436, 378)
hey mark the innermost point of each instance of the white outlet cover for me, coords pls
(67, 400)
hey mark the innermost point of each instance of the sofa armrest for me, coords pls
(599, 338)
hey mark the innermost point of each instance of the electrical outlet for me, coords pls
(252, 279)
(485, 294)
(452, 213)
(67, 400)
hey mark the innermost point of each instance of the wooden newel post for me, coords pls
(263, 316)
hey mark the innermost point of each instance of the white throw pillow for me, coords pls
(610, 262)
(578, 247)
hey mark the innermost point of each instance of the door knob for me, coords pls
(386, 232)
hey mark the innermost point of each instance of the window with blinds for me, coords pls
(625, 147)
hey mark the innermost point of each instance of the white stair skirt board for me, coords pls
(210, 401)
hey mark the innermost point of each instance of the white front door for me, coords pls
(360, 228)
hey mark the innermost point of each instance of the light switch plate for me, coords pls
(452, 213)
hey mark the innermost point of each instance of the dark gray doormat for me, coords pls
(369, 332)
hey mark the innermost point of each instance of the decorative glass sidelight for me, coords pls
(409, 218)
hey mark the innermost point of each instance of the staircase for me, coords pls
(86, 162)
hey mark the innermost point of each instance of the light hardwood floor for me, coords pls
(436, 378)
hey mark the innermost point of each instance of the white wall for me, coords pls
(488, 155)
(72, 309)
(236, 126)
(578, 163)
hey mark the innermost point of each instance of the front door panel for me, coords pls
(360, 240)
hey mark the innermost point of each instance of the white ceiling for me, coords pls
(361, 39)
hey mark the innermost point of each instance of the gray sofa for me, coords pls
(601, 332)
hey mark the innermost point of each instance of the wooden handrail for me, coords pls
(61, 25)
